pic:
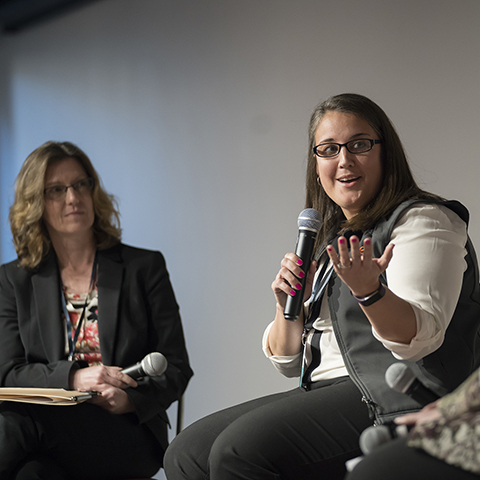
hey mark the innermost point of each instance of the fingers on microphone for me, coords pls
(126, 380)
(129, 381)
(291, 274)
(292, 262)
(287, 283)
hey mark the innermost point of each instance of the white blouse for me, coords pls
(426, 270)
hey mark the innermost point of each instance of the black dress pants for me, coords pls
(292, 435)
(81, 442)
(396, 461)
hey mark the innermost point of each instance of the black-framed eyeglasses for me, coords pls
(329, 150)
(57, 192)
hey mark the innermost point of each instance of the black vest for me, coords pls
(367, 359)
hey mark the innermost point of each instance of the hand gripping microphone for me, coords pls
(153, 365)
(309, 222)
(402, 379)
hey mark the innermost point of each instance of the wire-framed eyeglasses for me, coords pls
(330, 149)
(58, 192)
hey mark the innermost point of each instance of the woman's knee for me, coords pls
(184, 459)
(243, 448)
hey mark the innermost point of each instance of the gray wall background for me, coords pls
(195, 114)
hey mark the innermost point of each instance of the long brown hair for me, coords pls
(30, 235)
(398, 183)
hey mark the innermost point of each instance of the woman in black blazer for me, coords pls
(75, 298)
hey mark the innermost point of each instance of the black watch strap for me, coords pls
(372, 297)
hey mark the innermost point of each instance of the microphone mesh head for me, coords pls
(399, 377)
(372, 437)
(310, 219)
(154, 364)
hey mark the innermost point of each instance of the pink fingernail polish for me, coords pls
(341, 241)
(329, 248)
(353, 240)
(292, 292)
(301, 274)
(298, 286)
(299, 262)
(368, 241)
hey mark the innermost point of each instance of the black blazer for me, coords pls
(137, 313)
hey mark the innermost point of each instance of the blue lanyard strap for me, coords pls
(72, 340)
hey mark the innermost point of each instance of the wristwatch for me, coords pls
(371, 298)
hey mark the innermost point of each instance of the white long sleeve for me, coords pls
(427, 270)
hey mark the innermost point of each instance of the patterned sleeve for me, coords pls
(466, 398)
(455, 436)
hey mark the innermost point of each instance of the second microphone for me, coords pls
(152, 365)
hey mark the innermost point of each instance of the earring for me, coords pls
(318, 181)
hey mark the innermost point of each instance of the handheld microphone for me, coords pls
(372, 437)
(309, 222)
(402, 379)
(153, 365)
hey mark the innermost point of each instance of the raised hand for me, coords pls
(359, 270)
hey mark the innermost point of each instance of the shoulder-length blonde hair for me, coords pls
(398, 183)
(30, 236)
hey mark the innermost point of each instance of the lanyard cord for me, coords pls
(313, 313)
(318, 291)
(73, 341)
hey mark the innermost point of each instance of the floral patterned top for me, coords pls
(455, 437)
(87, 347)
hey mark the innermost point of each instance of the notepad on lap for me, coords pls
(44, 396)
